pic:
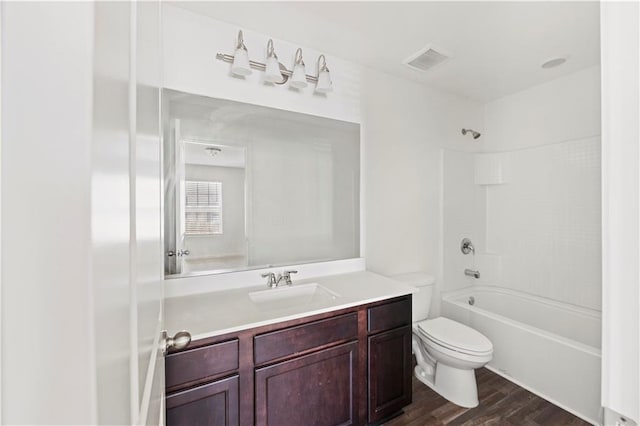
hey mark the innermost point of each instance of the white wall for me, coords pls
(403, 127)
(564, 109)
(620, 23)
(47, 333)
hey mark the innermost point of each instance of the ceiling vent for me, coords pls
(426, 59)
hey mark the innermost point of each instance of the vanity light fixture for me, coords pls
(241, 64)
(275, 72)
(298, 79)
(272, 68)
(324, 79)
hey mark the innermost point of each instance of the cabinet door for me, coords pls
(213, 404)
(317, 389)
(389, 372)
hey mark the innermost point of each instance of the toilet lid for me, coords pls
(456, 336)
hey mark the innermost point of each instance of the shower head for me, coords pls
(475, 134)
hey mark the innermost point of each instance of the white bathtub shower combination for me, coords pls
(549, 347)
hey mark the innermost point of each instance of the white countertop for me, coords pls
(212, 314)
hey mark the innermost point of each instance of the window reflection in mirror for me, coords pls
(249, 187)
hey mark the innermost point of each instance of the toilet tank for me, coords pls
(422, 299)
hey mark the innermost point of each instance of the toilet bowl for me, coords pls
(447, 352)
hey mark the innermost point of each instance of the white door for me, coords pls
(147, 361)
(179, 198)
(127, 258)
(82, 335)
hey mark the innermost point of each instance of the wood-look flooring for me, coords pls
(502, 403)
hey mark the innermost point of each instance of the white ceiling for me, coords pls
(497, 47)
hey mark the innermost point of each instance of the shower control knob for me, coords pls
(466, 246)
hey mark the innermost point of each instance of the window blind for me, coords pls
(203, 208)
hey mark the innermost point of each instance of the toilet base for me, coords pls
(454, 384)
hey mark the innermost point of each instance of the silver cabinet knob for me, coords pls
(171, 253)
(180, 340)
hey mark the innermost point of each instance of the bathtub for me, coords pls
(548, 347)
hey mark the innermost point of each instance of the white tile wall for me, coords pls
(546, 222)
(464, 216)
(538, 233)
(491, 169)
(530, 201)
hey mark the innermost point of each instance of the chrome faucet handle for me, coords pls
(466, 246)
(272, 281)
(286, 275)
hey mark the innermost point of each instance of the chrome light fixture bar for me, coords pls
(286, 74)
(322, 81)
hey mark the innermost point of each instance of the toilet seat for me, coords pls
(455, 336)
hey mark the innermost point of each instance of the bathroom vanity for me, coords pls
(344, 360)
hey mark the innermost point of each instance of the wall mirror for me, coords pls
(250, 187)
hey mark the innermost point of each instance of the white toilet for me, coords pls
(447, 351)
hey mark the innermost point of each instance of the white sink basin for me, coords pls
(297, 295)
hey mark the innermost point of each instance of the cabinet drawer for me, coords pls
(390, 315)
(201, 363)
(289, 341)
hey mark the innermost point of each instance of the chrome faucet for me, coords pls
(273, 281)
(286, 275)
(472, 273)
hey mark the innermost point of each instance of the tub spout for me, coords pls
(472, 273)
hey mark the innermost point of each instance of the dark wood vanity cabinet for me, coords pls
(389, 373)
(211, 404)
(347, 367)
(316, 389)
(389, 358)
(314, 380)
(208, 385)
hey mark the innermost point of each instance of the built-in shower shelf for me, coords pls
(491, 169)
